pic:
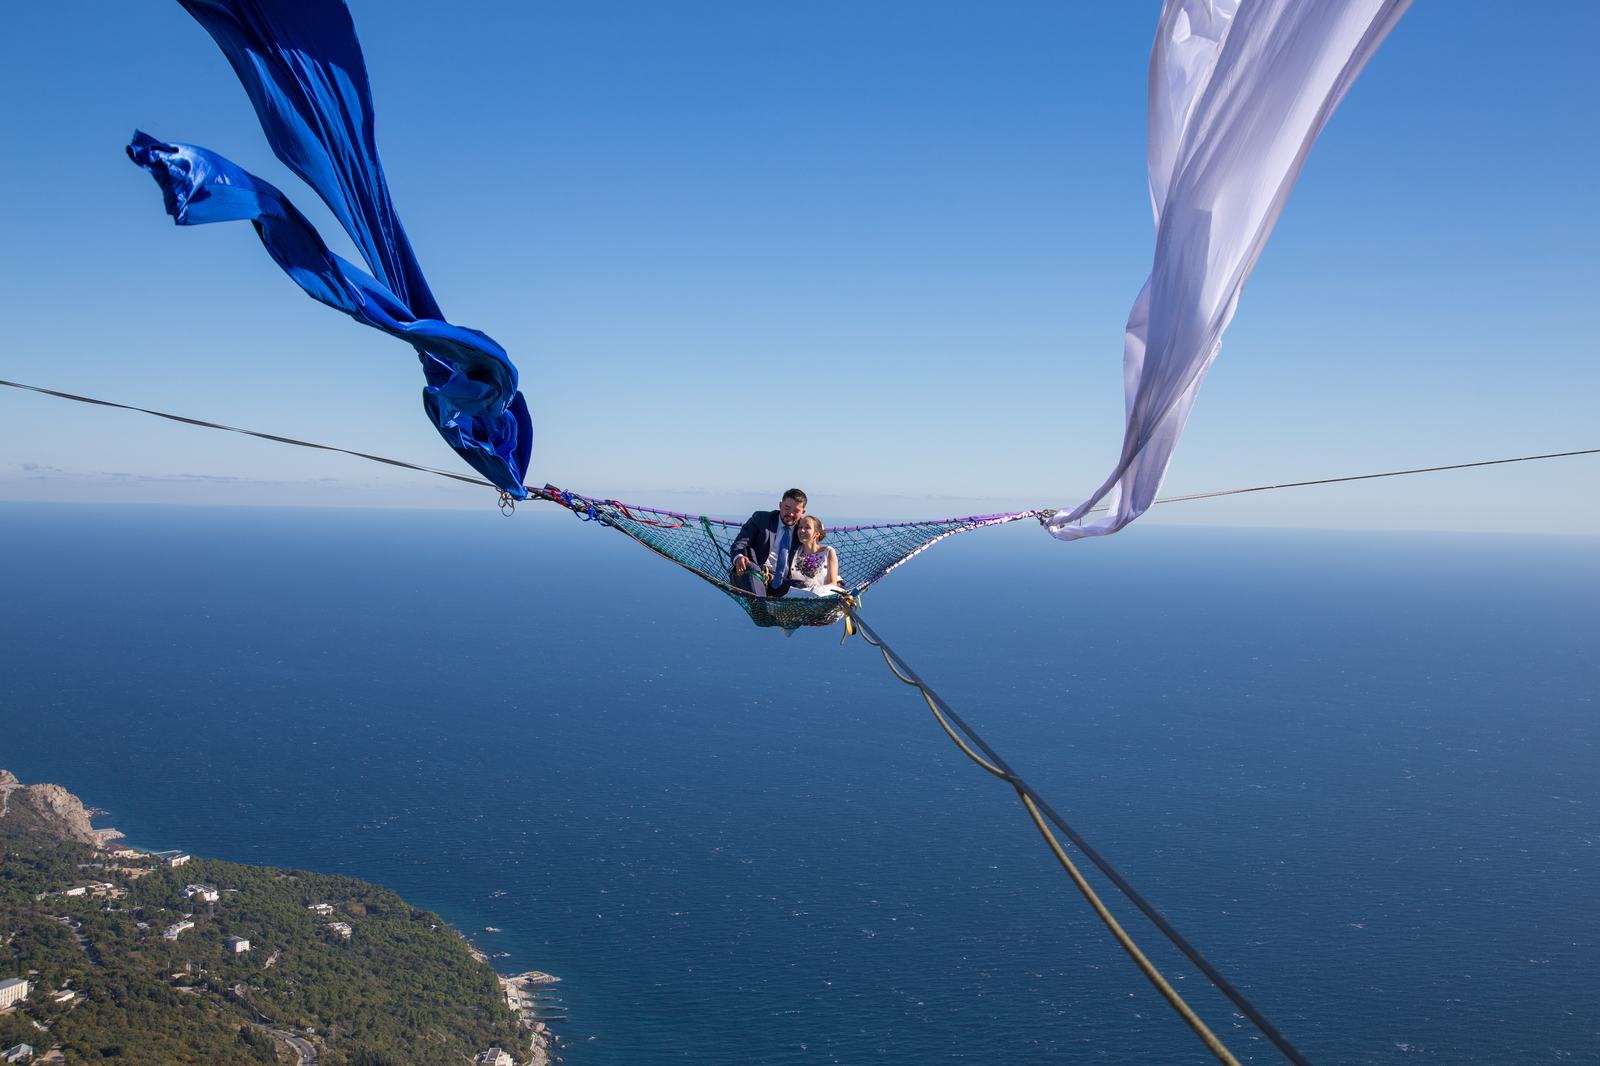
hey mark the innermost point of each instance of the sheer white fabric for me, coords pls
(1239, 91)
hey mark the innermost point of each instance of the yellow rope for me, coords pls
(974, 756)
(1170, 994)
(1167, 991)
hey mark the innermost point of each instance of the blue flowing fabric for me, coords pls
(301, 64)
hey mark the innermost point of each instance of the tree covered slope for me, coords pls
(402, 988)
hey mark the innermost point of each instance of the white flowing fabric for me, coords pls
(1239, 91)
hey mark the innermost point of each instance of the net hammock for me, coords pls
(703, 545)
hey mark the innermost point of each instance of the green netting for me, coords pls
(702, 544)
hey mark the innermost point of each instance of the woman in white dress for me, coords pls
(814, 569)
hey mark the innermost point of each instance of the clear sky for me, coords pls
(883, 251)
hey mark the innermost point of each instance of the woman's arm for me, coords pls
(833, 567)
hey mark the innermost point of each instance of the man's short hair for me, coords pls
(795, 494)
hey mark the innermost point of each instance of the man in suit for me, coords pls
(762, 549)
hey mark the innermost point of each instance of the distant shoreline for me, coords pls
(71, 820)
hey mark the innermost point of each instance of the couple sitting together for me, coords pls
(780, 553)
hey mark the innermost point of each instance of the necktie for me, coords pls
(780, 554)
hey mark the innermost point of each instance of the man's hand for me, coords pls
(740, 565)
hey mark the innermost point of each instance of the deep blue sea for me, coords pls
(1357, 770)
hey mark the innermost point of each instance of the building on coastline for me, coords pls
(236, 944)
(342, 928)
(177, 860)
(102, 838)
(203, 893)
(173, 931)
(495, 1057)
(13, 991)
(323, 909)
(17, 1053)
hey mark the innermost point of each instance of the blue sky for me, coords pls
(883, 251)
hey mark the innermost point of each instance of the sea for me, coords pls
(1357, 770)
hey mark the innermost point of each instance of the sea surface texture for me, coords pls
(1357, 770)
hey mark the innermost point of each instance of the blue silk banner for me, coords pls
(301, 65)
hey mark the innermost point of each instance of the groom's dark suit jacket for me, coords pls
(757, 540)
(758, 537)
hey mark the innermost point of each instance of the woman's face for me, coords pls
(807, 528)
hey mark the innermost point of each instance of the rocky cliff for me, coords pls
(48, 814)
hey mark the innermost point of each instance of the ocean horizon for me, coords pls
(1355, 769)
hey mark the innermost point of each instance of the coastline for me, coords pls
(522, 1003)
(54, 816)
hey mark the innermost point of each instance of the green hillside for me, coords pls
(402, 988)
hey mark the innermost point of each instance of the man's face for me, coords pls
(791, 511)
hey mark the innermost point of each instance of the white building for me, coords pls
(495, 1057)
(13, 991)
(174, 930)
(236, 944)
(66, 995)
(323, 909)
(178, 860)
(80, 890)
(203, 893)
(17, 1053)
(342, 928)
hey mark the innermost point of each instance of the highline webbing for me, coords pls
(866, 553)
